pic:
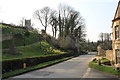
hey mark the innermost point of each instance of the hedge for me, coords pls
(11, 65)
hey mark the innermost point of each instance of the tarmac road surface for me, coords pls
(74, 68)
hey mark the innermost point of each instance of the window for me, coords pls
(116, 32)
(118, 56)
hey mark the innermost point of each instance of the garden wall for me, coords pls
(109, 54)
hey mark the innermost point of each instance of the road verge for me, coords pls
(107, 69)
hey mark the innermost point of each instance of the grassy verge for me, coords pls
(107, 69)
(21, 71)
(102, 60)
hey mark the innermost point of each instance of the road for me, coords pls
(73, 68)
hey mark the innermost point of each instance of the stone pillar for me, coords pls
(101, 51)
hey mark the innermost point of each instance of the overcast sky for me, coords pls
(98, 14)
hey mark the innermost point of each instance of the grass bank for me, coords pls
(21, 36)
(39, 66)
(108, 69)
(33, 50)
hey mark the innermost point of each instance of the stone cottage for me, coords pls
(116, 36)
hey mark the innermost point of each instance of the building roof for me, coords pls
(117, 13)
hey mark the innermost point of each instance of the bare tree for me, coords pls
(22, 22)
(101, 37)
(70, 21)
(105, 41)
(106, 36)
(43, 16)
(60, 24)
(54, 22)
(67, 21)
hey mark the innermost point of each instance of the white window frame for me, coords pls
(117, 32)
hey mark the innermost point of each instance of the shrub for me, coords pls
(19, 36)
(27, 33)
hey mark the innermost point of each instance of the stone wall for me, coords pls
(101, 51)
(109, 54)
(6, 37)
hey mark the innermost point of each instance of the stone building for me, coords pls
(116, 36)
(28, 24)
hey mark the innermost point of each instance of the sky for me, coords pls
(98, 14)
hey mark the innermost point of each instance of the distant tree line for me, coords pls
(105, 41)
(105, 37)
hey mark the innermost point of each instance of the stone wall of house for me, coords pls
(116, 40)
(109, 54)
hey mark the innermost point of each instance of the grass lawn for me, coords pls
(103, 60)
(42, 65)
(33, 50)
(108, 69)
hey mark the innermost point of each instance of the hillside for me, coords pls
(33, 50)
(21, 36)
